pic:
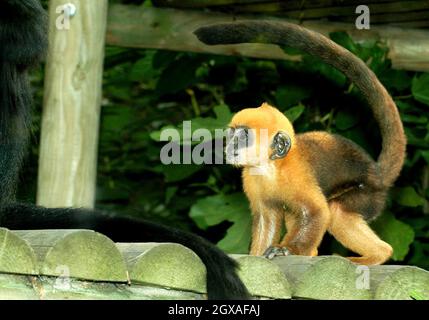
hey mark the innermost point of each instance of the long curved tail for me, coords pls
(392, 154)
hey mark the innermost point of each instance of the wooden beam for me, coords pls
(18, 287)
(290, 4)
(79, 254)
(164, 265)
(327, 9)
(333, 277)
(69, 141)
(203, 3)
(136, 270)
(16, 255)
(172, 29)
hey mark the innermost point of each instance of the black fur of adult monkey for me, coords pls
(22, 45)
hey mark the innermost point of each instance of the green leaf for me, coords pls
(292, 51)
(395, 79)
(291, 94)
(357, 136)
(156, 135)
(420, 88)
(294, 113)
(405, 106)
(330, 73)
(425, 155)
(170, 193)
(344, 40)
(408, 118)
(413, 139)
(178, 75)
(223, 115)
(222, 119)
(420, 254)
(395, 232)
(163, 58)
(213, 210)
(117, 118)
(143, 70)
(345, 120)
(178, 172)
(407, 197)
(378, 62)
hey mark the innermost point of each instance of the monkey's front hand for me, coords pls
(272, 252)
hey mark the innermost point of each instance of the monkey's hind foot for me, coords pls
(272, 252)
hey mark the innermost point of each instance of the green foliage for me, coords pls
(420, 88)
(146, 91)
(290, 94)
(213, 210)
(294, 113)
(395, 232)
(407, 197)
(221, 119)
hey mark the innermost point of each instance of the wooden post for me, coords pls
(70, 121)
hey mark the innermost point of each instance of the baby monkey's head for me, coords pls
(257, 136)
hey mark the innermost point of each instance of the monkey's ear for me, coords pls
(281, 145)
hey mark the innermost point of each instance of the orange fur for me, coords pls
(287, 190)
(320, 169)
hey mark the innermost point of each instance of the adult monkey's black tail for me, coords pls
(222, 279)
(22, 45)
(392, 155)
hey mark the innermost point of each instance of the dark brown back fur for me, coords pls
(345, 172)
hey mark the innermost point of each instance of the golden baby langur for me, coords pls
(314, 182)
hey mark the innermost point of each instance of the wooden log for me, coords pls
(16, 255)
(202, 3)
(50, 289)
(411, 24)
(290, 4)
(402, 283)
(167, 265)
(330, 277)
(80, 254)
(172, 29)
(15, 287)
(329, 10)
(263, 278)
(323, 278)
(70, 120)
(390, 18)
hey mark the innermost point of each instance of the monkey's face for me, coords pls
(257, 136)
(242, 147)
